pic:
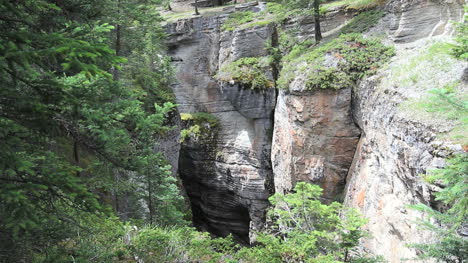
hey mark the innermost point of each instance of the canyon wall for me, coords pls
(356, 142)
(228, 174)
(397, 145)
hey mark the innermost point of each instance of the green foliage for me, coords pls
(248, 71)
(73, 119)
(336, 64)
(448, 105)
(362, 22)
(102, 241)
(303, 229)
(198, 125)
(274, 13)
(236, 19)
(447, 101)
(460, 50)
(200, 117)
(282, 11)
(450, 246)
(180, 245)
(351, 4)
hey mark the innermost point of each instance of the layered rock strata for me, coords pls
(228, 176)
(397, 146)
(314, 139)
(355, 136)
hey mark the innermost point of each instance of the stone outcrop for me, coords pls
(397, 146)
(228, 175)
(393, 151)
(314, 139)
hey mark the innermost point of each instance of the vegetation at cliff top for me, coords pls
(352, 4)
(200, 117)
(336, 64)
(362, 22)
(238, 18)
(434, 70)
(248, 71)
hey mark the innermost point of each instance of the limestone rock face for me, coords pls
(227, 175)
(397, 146)
(384, 179)
(314, 139)
(394, 149)
(412, 20)
(169, 143)
(353, 142)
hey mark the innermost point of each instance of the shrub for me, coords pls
(198, 124)
(460, 50)
(450, 246)
(336, 64)
(303, 229)
(248, 71)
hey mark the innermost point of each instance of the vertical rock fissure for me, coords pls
(226, 170)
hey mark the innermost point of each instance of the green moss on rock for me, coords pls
(336, 64)
(248, 71)
(236, 19)
(198, 125)
(362, 22)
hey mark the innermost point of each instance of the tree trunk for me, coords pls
(318, 32)
(118, 43)
(150, 200)
(196, 8)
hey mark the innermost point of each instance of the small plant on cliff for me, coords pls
(352, 4)
(197, 124)
(336, 64)
(450, 246)
(248, 71)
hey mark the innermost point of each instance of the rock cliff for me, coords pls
(227, 175)
(358, 142)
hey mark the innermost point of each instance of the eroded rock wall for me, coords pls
(227, 176)
(396, 146)
(314, 139)
(355, 136)
(412, 20)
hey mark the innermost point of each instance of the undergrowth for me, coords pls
(236, 19)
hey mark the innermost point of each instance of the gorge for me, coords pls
(356, 142)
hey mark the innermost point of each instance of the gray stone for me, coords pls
(228, 176)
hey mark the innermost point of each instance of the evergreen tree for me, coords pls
(66, 126)
(449, 226)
